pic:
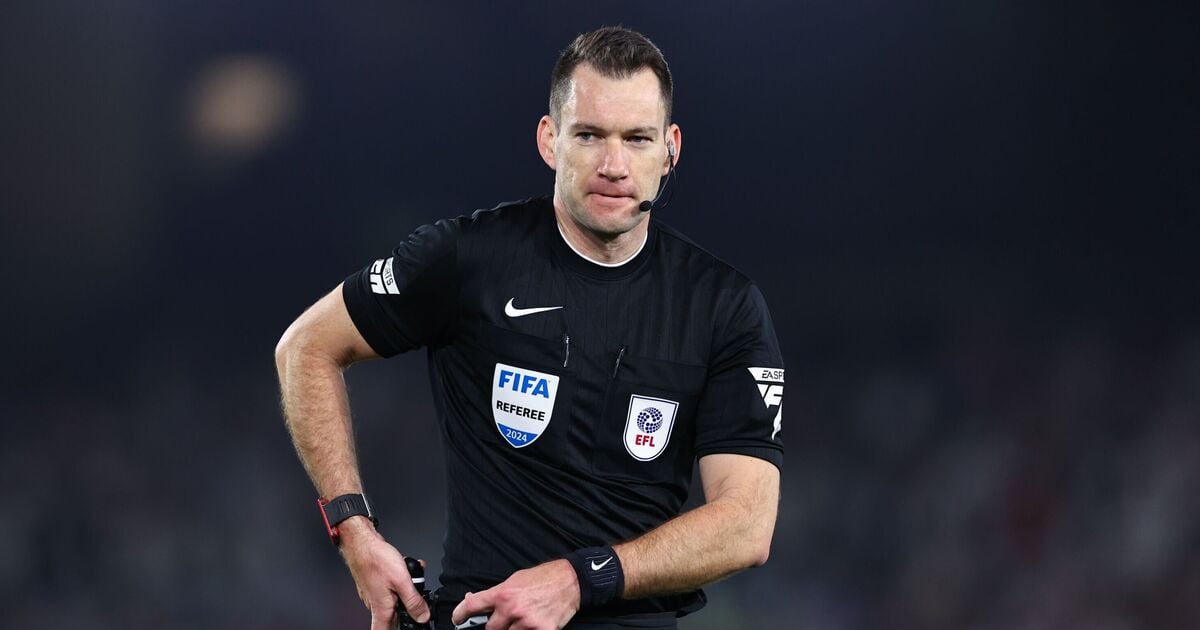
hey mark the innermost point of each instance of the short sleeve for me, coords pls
(409, 299)
(741, 409)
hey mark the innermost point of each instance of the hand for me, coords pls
(543, 597)
(380, 575)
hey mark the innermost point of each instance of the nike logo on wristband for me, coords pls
(513, 311)
(597, 567)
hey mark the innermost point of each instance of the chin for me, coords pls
(606, 217)
(605, 226)
(616, 228)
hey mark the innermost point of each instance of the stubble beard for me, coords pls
(606, 231)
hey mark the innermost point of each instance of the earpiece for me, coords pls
(646, 205)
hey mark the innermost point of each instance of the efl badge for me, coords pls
(648, 426)
(522, 401)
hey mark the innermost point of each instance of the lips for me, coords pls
(609, 202)
(611, 194)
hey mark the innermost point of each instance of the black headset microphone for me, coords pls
(645, 206)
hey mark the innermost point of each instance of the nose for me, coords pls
(614, 164)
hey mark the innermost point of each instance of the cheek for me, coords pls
(567, 179)
(566, 171)
(650, 169)
(573, 167)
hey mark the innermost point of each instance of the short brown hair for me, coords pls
(616, 52)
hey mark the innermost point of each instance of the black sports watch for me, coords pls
(340, 508)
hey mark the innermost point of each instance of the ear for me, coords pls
(674, 139)
(545, 141)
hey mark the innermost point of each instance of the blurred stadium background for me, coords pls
(975, 223)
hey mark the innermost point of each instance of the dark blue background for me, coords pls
(975, 224)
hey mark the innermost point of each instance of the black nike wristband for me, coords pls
(601, 578)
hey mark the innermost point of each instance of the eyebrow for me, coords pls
(577, 127)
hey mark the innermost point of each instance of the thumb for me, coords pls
(412, 601)
(415, 605)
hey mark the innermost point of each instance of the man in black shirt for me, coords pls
(582, 357)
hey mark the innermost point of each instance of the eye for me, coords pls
(640, 139)
(585, 136)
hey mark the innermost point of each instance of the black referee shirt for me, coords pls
(573, 398)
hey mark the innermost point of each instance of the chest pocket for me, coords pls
(646, 430)
(529, 396)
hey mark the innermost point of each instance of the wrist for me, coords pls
(356, 528)
(569, 581)
(347, 514)
(600, 576)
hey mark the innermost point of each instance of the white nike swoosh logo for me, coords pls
(597, 567)
(513, 311)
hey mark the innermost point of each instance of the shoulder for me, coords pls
(509, 217)
(687, 256)
(490, 236)
(735, 307)
(486, 231)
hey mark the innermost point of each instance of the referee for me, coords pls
(582, 357)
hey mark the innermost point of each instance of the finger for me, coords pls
(457, 615)
(412, 601)
(500, 622)
(471, 605)
(407, 594)
(422, 562)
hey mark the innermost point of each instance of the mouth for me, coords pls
(609, 202)
(610, 195)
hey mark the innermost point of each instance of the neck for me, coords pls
(600, 248)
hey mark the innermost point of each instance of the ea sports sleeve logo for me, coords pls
(383, 279)
(770, 387)
(648, 426)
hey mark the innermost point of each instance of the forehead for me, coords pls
(616, 103)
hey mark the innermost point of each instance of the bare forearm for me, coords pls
(687, 552)
(317, 412)
(729, 533)
(310, 358)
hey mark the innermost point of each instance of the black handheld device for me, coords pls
(404, 621)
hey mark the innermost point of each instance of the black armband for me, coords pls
(601, 578)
